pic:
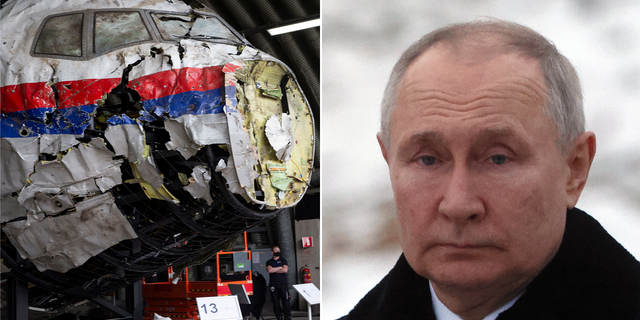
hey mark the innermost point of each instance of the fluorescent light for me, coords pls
(294, 27)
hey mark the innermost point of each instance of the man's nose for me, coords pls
(461, 202)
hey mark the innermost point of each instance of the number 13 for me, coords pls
(212, 307)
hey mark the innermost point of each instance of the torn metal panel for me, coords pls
(54, 143)
(56, 174)
(65, 242)
(199, 184)
(230, 174)
(202, 54)
(50, 204)
(19, 156)
(156, 193)
(46, 200)
(77, 170)
(146, 168)
(206, 129)
(242, 150)
(89, 160)
(280, 136)
(180, 139)
(127, 138)
(11, 209)
(190, 132)
(86, 187)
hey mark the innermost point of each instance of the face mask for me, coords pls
(276, 254)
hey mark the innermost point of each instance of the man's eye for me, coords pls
(498, 159)
(428, 160)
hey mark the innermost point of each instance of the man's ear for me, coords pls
(382, 147)
(579, 161)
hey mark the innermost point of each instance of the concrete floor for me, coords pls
(295, 315)
(267, 311)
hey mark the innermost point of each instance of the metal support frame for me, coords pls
(133, 295)
(18, 296)
(134, 300)
(110, 306)
(18, 299)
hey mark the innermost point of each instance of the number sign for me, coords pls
(309, 292)
(219, 308)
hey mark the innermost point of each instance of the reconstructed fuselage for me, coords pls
(135, 137)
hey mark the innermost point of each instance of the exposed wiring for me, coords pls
(301, 177)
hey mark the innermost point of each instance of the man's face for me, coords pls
(478, 179)
(273, 252)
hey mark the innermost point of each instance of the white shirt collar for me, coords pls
(443, 313)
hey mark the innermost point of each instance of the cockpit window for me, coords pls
(114, 29)
(174, 27)
(61, 35)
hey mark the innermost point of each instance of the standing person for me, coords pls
(278, 268)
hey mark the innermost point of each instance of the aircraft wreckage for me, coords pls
(136, 138)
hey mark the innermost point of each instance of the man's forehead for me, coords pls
(462, 67)
(504, 87)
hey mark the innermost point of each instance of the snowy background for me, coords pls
(361, 42)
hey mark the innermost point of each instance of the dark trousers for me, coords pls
(280, 292)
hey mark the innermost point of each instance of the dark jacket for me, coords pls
(591, 277)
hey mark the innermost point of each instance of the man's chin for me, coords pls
(463, 274)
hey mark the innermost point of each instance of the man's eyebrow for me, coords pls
(422, 138)
(500, 133)
(485, 135)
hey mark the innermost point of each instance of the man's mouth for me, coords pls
(463, 245)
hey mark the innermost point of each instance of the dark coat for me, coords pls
(591, 277)
(259, 294)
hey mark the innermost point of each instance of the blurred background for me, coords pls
(361, 42)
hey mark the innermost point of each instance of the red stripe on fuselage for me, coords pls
(26, 96)
(170, 82)
(83, 92)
